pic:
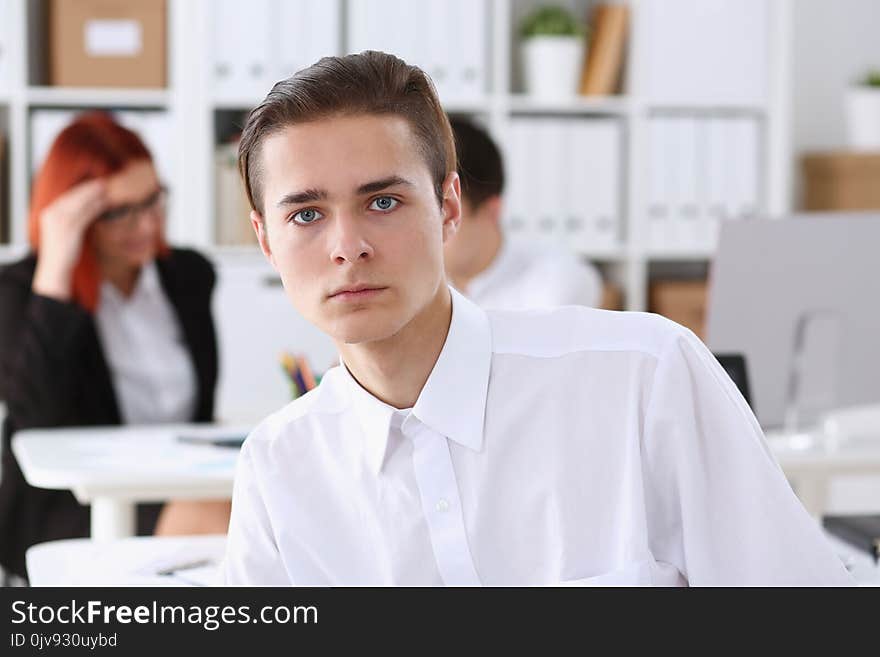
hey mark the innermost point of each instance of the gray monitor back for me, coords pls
(767, 276)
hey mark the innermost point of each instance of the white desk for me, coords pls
(115, 468)
(133, 561)
(811, 460)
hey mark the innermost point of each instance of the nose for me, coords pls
(349, 245)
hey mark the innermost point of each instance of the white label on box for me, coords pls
(113, 38)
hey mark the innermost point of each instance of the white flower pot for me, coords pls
(863, 118)
(552, 65)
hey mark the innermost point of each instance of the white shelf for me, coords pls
(76, 97)
(195, 116)
(613, 105)
(679, 255)
(704, 109)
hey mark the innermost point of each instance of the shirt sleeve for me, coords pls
(565, 281)
(719, 507)
(252, 555)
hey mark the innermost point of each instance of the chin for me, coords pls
(362, 328)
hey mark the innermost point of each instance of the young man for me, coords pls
(452, 446)
(492, 269)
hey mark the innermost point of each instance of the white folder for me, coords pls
(5, 35)
(577, 174)
(660, 164)
(718, 177)
(686, 203)
(747, 162)
(518, 185)
(471, 54)
(546, 154)
(305, 31)
(605, 161)
(242, 51)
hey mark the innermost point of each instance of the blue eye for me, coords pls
(307, 216)
(384, 204)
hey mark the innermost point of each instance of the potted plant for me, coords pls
(863, 113)
(552, 52)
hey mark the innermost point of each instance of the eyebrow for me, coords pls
(311, 195)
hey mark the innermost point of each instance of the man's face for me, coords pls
(352, 224)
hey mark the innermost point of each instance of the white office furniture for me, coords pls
(135, 561)
(115, 468)
(726, 58)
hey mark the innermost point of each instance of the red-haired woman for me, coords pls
(103, 324)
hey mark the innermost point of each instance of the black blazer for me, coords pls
(53, 373)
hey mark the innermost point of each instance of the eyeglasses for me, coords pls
(155, 204)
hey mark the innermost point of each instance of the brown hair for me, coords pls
(367, 83)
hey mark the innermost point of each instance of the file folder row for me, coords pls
(448, 40)
(263, 41)
(564, 181)
(5, 35)
(701, 171)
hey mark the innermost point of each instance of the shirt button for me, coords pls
(442, 506)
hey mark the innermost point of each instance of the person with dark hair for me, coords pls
(458, 446)
(495, 270)
(102, 324)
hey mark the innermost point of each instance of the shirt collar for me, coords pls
(146, 284)
(453, 399)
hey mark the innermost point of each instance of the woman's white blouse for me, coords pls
(569, 446)
(151, 368)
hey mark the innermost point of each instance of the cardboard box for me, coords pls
(841, 181)
(612, 297)
(682, 301)
(107, 43)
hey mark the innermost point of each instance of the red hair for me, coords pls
(93, 146)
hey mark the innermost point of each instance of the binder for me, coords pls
(308, 30)
(746, 162)
(470, 56)
(577, 223)
(517, 215)
(602, 145)
(241, 47)
(4, 45)
(659, 210)
(718, 205)
(860, 531)
(686, 205)
(546, 153)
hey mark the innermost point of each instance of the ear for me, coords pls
(451, 205)
(259, 226)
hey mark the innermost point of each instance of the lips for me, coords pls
(358, 292)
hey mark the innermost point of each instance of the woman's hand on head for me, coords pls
(63, 225)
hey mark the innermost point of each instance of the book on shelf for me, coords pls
(4, 225)
(232, 215)
(603, 66)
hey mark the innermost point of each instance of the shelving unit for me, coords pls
(199, 116)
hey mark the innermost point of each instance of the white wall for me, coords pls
(834, 43)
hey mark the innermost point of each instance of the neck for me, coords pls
(491, 241)
(396, 369)
(122, 277)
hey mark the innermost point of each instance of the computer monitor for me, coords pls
(800, 299)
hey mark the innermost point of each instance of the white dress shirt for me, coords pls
(527, 275)
(568, 446)
(152, 370)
